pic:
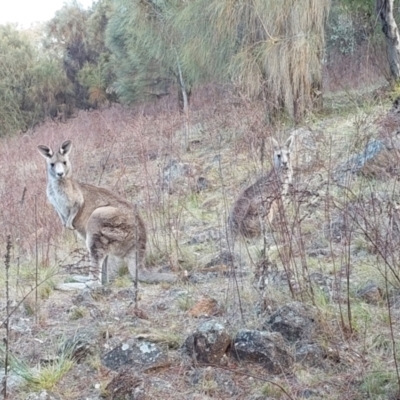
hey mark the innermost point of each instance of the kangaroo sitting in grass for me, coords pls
(108, 223)
(260, 202)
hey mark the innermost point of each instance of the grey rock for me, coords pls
(87, 296)
(209, 343)
(13, 381)
(295, 321)
(224, 258)
(208, 235)
(72, 286)
(303, 149)
(43, 395)
(308, 394)
(356, 162)
(81, 278)
(139, 354)
(310, 354)
(178, 175)
(371, 293)
(266, 348)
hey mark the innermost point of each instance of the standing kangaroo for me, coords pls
(259, 203)
(107, 222)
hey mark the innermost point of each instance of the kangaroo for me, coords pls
(259, 203)
(108, 223)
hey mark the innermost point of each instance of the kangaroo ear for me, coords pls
(289, 141)
(45, 151)
(65, 148)
(275, 144)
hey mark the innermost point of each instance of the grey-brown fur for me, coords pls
(109, 223)
(257, 206)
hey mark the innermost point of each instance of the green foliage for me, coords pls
(32, 84)
(364, 6)
(380, 383)
(91, 76)
(351, 22)
(16, 63)
(267, 49)
(40, 377)
(146, 48)
(78, 36)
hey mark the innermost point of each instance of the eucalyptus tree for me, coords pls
(146, 47)
(385, 11)
(15, 63)
(66, 35)
(32, 83)
(266, 48)
(97, 74)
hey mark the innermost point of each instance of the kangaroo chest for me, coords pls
(62, 197)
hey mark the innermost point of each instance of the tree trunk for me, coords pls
(184, 104)
(384, 9)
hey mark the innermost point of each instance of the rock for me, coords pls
(127, 385)
(139, 354)
(308, 394)
(205, 307)
(81, 278)
(21, 325)
(207, 235)
(310, 354)
(225, 257)
(378, 159)
(303, 149)
(224, 380)
(265, 348)
(87, 296)
(178, 176)
(294, 321)
(71, 286)
(209, 343)
(370, 293)
(13, 381)
(43, 395)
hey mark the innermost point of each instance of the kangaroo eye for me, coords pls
(64, 162)
(52, 164)
(278, 155)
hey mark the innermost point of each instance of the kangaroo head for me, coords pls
(58, 164)
(282, 155)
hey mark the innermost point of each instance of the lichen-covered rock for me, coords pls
(126, 385)
(139, 354)
(310, 354)
(371, 293)
(209, 343)
(266, 348)
(295, 321)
